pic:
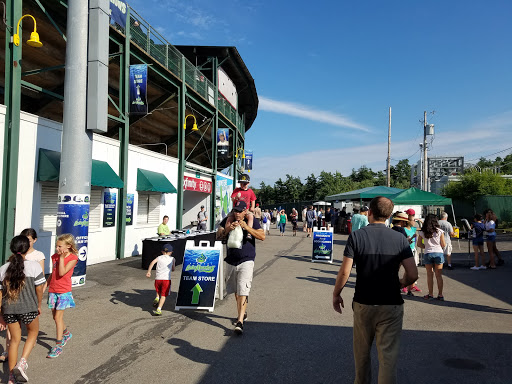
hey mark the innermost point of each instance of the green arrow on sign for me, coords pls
(195, 293)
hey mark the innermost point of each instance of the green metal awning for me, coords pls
(153, 182)
(102, 174)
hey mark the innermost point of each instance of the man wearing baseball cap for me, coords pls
(240, 261)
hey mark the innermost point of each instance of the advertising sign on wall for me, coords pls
(109, 209)
(138, 89)
(322, 245)
(224, 189)
(198, 185)
(73, 218)
(129, 208)
(199, 276)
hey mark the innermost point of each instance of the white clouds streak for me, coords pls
(481, 139)
(310, 113)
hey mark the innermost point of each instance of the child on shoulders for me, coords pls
(243, 193)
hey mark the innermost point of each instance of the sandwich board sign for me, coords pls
(199, 276)
(322, 245)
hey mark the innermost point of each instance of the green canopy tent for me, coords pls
(415, 196)
(367, 193)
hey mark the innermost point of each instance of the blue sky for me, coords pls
(326, 74)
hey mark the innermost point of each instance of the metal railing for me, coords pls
(156, 46)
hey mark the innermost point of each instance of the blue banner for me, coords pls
(73, 218)
(198, 278)
(138, 89)
(118, 10)
(322, 246)
(129, 208)
(248, 161)
(109, 209)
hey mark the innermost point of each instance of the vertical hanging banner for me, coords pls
(223, 143)
(322, 245)
(248, 161)
(118, 10)
(199, 276)
(73, 218)
(138, 89)
(129, 208)
(109, 209)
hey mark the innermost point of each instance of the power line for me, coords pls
(495, 153)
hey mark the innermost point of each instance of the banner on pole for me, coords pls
(199, 276)
(118, 10)
(223, 143)
(138, 89)
(322, 245)
(73, 218)
(248, 161)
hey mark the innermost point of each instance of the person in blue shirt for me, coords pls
(360, 220)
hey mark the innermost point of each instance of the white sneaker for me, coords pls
(482, 267)
(475, 268)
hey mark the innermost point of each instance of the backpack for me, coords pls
(265, 219)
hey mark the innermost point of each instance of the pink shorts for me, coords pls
(163, 287)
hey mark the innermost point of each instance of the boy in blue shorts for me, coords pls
(165, 264)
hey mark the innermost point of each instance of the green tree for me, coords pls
(311, 188)
(265, 194)
(474, 184)
(363, 173)
(294, 188)
(401, 174)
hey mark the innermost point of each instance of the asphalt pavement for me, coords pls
(292, 334)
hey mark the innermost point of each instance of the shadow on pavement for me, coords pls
(143, 299)
(457, 304)
(303, 353)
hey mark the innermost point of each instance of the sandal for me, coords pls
(440, 298)
(428, 297)
(3, 357)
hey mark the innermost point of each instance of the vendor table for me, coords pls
(152, 247)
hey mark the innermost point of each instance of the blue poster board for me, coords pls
(109, 209)
(199, 276)
(129, 208)
(322, 245)
(73, 218)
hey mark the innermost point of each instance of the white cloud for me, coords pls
(310, 113)
(482, 139)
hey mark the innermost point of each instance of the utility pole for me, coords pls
(425, 166)
(76, 163)
(388, 178)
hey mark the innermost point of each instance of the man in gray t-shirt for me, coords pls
(202, 218)
(448, 232)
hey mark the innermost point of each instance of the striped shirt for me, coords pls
(27, 300)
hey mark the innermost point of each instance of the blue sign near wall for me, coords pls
(199, 277)
(129, 208)
(322, 245)
(109, 209)
(118, 11)
(73, 218)
(138, 89)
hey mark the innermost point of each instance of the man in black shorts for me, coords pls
(240, 262)
(378, 252)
